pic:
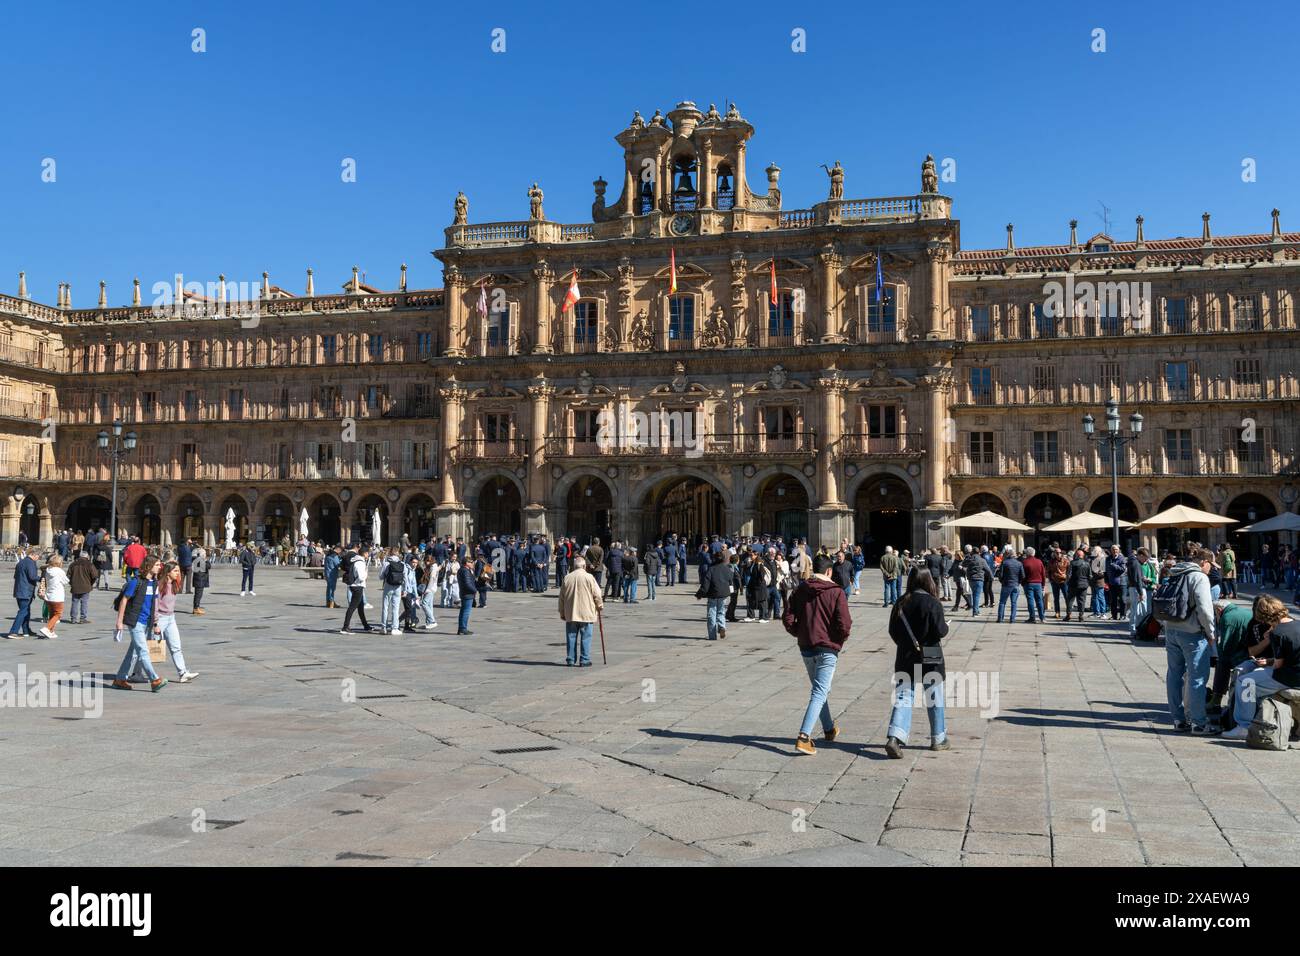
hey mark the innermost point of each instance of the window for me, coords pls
(584, 323)
(1253, 450)
(1044, 378)
(1044, 322)
(374, 397)
(1176, 316)
(151, 355)
(375, 346)
(725, 196)
(1101, 247)
(190, 401)
(325, 456)
(1246, 379)
(981, 448)
(496, 426)
(981, 385)
(424, 344)
(778, 422)
(148, 403)
(233, 456)
(882, 316)
(1045, 452)
(105, 406)
(882, 421)
(422, 455)
(194, 353)
(373, 456)
(981, 325)
(189, 456)
(235, 402)
(329, 348)
(1176, 379)
(681, 318)
(419, 396)
(1108, 375)
(285, 407)
(1245, 313)
(1178, 444)
(780, 315)
(498, 330)
(586, 425)
(327, 399)
(1110, 305)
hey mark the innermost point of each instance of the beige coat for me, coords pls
(579, 598)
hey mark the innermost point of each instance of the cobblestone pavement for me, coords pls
(488, 750)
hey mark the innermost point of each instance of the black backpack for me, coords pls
(350, 570)
(393, 574)
(1171, 603)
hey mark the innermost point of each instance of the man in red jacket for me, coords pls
(817, 614)
(132, 556)
(1035, 578)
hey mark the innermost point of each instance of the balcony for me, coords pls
(412, 408)
(747, 444)
(482, 450)
(24, 411)
(868, 445)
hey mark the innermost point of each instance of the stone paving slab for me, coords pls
(300, 746)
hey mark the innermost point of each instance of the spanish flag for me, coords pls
(672, 270)
(573, 295)
(773, 299)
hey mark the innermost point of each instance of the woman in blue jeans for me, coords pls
(817, 615)
(918, 627)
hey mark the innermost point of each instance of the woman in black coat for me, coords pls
(917, 627)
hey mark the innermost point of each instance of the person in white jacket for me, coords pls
(56, 591)
(1189, 644)
(354, 571)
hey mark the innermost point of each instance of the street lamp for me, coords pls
(121, 445)
(1114, 439)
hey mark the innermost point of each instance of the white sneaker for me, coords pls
(187, 677)
(252, 594)
(430, 627)
(345, 631)
(1236, 733)
(394, 632)
(45, 632)
(368, 607)
(243, 593)
(14, 637)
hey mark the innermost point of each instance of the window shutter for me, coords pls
(385, 459)
(406, 458)
(313, 450)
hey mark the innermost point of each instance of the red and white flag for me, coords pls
(482, 300)
(573, 295)
(672, 270)
(773, 292)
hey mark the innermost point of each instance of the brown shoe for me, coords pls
(805, 745)
(722, 633)
(122, 685)
(894, 747)
(157, 685)
(940, 744)
(199, 610)
(831, 734)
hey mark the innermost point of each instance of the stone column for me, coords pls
(457, 316)
(937, 386)
(936, 256)
(9, 519)
(46, 532)
(830, 261)
(542, 279)
(833, 519)
(453, 398)
(539, 393)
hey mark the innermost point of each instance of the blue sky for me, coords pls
(229, 160)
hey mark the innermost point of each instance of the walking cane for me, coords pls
(601, 621)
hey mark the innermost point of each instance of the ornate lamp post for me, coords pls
(1114, 439)
(121, 445)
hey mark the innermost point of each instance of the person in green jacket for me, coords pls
(1228, 563)
(890, 567)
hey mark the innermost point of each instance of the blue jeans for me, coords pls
(900, 720)
(466, 604)
(1137, 607)
(774, 601)
(23, 620)
(172, 635)
(1188, 654)
(1098, 600)
(632, 585)
(891, 591)
(138, 652)
(821, 671)
(1262, 684)
(390, 615)
(1013, 592)
(331, 582)
(716, 616)
(1034, 599)
(976, 596)
(857, 580)
(426, 605)
(246, 580)
(650, 584)
(573, 631)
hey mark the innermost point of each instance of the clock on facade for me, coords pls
(680, 225)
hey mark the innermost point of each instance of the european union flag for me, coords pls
(880, 280)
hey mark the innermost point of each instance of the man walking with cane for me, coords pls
(580, 606)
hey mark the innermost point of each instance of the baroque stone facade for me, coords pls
(635, 374)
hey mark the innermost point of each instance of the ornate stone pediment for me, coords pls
(867, 262)
(784, 266)
(685, 270)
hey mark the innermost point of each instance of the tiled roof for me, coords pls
(1122, 255)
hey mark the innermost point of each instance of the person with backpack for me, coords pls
(199, 568)
(817, 616)
(355, 570)
(715, 588)
(654, 563)
(171, 584)
(1277, 672)
(137, 610)
(917, 627)
(247, 564)
(976, 569)
(1183, 605)
(393, 577)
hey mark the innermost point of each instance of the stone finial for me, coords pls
(22, 285)
(179, 299)
(1074, 232)
(1277, 224)
(311, 284)
(356, 282)
(1205, 227)
(266, 285)
(1011, 237)
(221, 288)
(103, 294)
(135, 292)
(1140, 238)
(402, 285)
(773, 174)
(67, 295)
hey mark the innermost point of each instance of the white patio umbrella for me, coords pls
(987, 521)
(1181, 516)
(302, 524)
(1085, 521)
(230, 529)
(374, 528)
(1286, 521)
